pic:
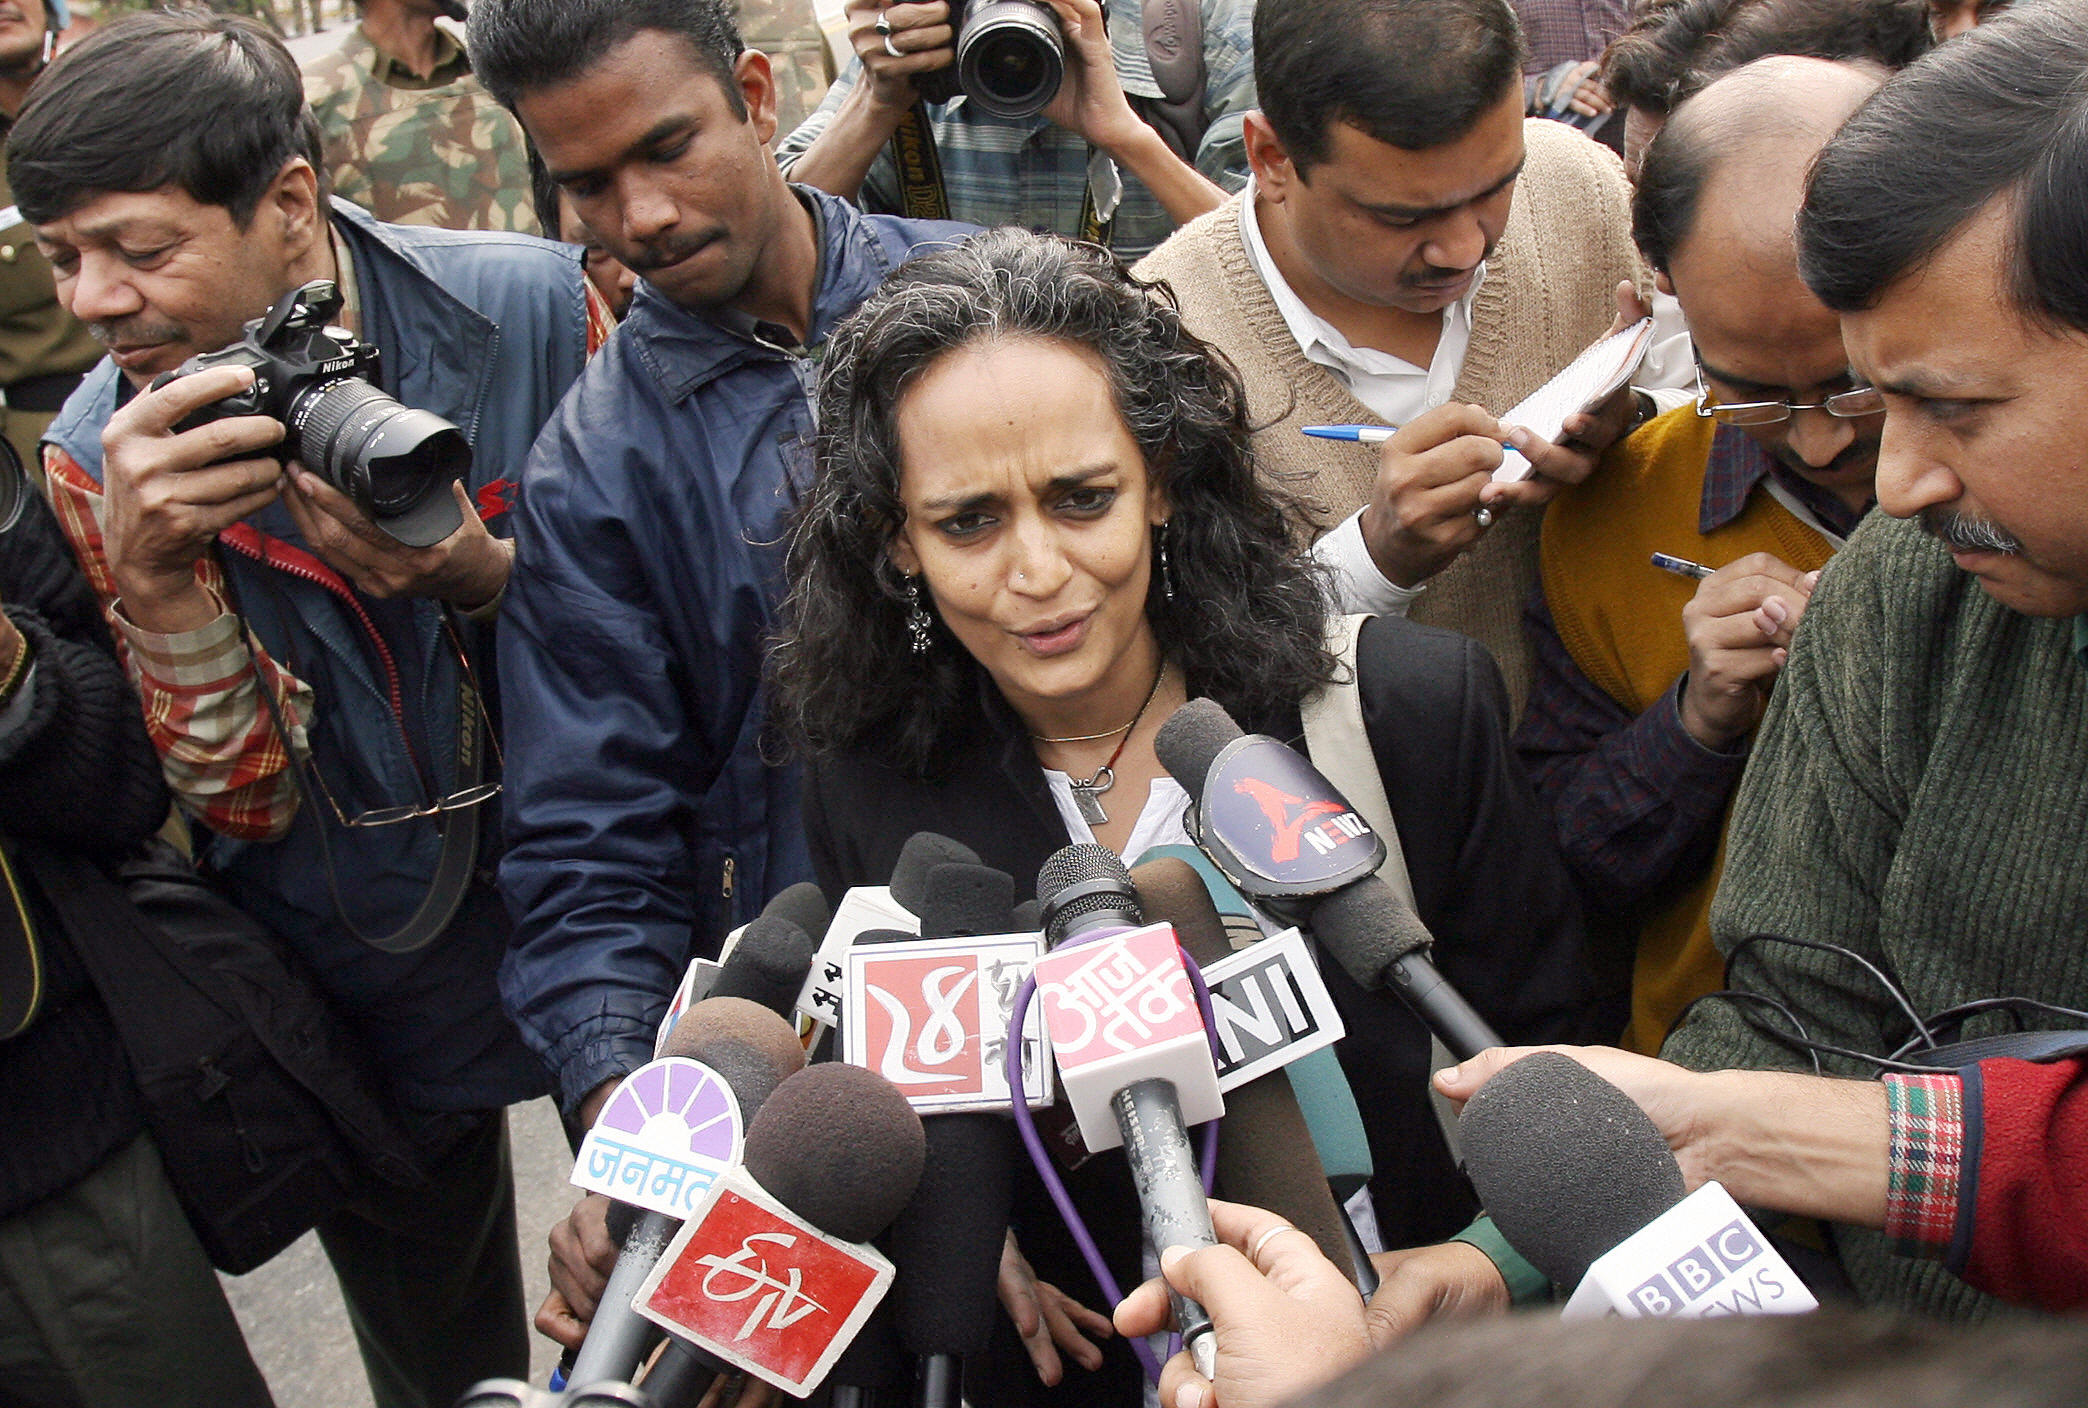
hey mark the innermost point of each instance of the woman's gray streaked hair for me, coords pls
(1247, 616)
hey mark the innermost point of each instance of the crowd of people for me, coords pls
(845, 468)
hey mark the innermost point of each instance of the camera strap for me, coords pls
(458, 858)
(923, 196)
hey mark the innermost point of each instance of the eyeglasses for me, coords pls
(1852, 404)
(470, 715)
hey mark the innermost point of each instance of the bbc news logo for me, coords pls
(1717, 1277)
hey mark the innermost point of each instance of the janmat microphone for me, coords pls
(1144, 1075)
(1582, 1184)
(1266, 1155)
(947, 1240)
(618, 1339)
(1289, 841)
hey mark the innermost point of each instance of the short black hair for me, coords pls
(210, 103)
(1999, 113)
(520, 46)
(1410, 73)
(1677, 47)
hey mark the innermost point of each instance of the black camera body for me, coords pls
(394, 463)
(1011, 58)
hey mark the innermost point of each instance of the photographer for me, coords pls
(1061, 170)
(167, 164)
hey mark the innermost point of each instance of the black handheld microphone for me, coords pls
(768, 965)
(1288, 840)
(1083, 889)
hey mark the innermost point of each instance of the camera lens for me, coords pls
(1011, 57)
(394, 462)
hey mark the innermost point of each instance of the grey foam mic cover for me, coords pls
(1265, 1151)
(1191, 740)
(1567, 1165)
(768, 965)
(803, 904)
(1367, 928)
(964, 899)
(839, 1146)
(923, 851)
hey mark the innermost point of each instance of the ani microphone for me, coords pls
(1289, 841)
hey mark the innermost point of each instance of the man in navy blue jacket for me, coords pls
(643, 821)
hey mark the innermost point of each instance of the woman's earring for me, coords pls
(1166, 567)
(916, 617)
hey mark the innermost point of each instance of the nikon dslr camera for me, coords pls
(394, 463)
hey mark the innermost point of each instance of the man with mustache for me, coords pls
(1413, 253)
(411, 136)
(1650, 685)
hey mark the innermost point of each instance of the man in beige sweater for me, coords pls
(1411, 253)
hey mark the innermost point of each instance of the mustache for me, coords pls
(1968, 534)
(663, 254)
(133, 332)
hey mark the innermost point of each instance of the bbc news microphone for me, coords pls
(1289, 841)
(756, 1049)
(1133, 1055)
(1583, 1185)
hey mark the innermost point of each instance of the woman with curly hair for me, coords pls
(1035, 532)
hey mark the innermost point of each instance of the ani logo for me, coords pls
(663, 1137)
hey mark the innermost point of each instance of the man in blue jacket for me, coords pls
(643, 821)
(312, 683)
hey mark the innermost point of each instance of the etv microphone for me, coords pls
(750, 1036)
(1128, 1038)
(1584, 1187)
(1266, 1155)
(1288, 840)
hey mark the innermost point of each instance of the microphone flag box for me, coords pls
(754, 1284)
(1119, 1010)
(695, 986)
(1701, 1258)
(862, 908)
(932, 1017)
(1269, 1007)
(663, 1138)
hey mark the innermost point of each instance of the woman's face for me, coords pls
(1028, 517)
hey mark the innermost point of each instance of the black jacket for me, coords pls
(1487, 882)
(77, 773)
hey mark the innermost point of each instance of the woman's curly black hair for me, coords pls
(1248, 612)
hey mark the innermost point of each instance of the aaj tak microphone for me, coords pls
(1582, 1184)
(1132, 1051)
(755, 1049)
(773, 1273)
(1291, 843)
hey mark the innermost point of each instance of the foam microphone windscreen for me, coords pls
(947, 1240)
(1367, 929)
(1565, 1163)
(1190, 741)
(803, 904)
(923, 851)
(1028, 918)
(1266, 1156)
(768, 965)
(717, 1018)
(839, 1146)
(1083, 864)
(964, 899)
(747, 1071)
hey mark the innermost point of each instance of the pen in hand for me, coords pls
(1682, 566)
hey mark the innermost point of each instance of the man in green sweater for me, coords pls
(1919, 795)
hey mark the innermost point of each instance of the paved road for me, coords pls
(292, 1311)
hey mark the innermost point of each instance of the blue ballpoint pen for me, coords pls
(1362, 434)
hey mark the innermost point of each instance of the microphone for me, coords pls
(803, 904)
(867, 907)
(772, 1275)
(923, 851)
(1282, 834)
(1129, 1039)
(947, 1240)
(768, 965)
(1584, 1187)
(1266, 1154)
(756, 1046)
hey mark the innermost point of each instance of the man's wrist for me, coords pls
(486, 581)
(1391, 566)
(166, 605)
(1814, 1146)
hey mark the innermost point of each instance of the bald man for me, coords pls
(1649, 683)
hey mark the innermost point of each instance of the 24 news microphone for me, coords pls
(1131, 1092)
(1290, 842)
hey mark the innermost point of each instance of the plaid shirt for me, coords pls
(1568, 31)
(1636, 801)
(1926, 1117)
(1034, 173)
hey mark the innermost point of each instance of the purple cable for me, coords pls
(1026, 1125)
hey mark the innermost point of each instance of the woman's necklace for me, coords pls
(1088, 795)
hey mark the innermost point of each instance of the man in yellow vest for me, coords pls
(1649, 682)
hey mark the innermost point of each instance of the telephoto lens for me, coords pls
(1011, 59)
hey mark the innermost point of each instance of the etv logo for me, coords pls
(1702, 1270)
